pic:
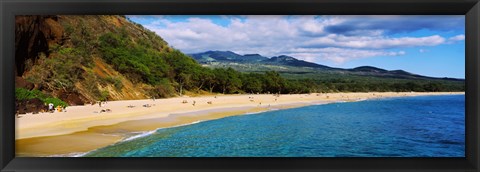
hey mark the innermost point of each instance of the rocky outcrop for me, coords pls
(72, 98)
(33, 35)
(30, 106)
(22, 83)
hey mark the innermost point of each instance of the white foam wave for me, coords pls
(74, 154)
(147, 133)
(142, 134)
(253, 113)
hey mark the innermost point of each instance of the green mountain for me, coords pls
(290, 61)
(254, 57)
(291, 65)
(231, 57)
(227, 56)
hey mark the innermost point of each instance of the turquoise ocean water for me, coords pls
(424, 126)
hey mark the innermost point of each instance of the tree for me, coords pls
(221, 79)
(234, 82)
(228, 80)
(183, 79)
(433, 87)
(199, 76)
(274, 82)
(210, 79)
(252, 83)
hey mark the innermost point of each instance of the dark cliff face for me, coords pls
(33, 35)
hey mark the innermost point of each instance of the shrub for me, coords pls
(55, 101)
(24, 94)
(104, 95)
(67, 51)
(116, 81)
(163, 90)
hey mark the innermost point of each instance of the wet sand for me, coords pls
(83, 128)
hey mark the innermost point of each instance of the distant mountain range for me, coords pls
(231, 57)
(288, 64)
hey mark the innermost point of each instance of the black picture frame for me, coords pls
(10, 8)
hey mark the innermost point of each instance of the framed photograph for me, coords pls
(240, 85)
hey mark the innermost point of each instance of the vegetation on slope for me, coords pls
(22, 94)
(72, 67)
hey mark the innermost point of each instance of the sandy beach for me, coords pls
(86, 128)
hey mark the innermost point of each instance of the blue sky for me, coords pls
(426, 45)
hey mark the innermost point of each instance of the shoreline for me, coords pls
(72, 134)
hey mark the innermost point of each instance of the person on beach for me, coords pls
(194, 103)
(50, 107)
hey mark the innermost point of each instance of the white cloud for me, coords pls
(457, 38)
(303, 37)
(338, 55)
(376, 42)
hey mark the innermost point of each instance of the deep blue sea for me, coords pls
(424, 126)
